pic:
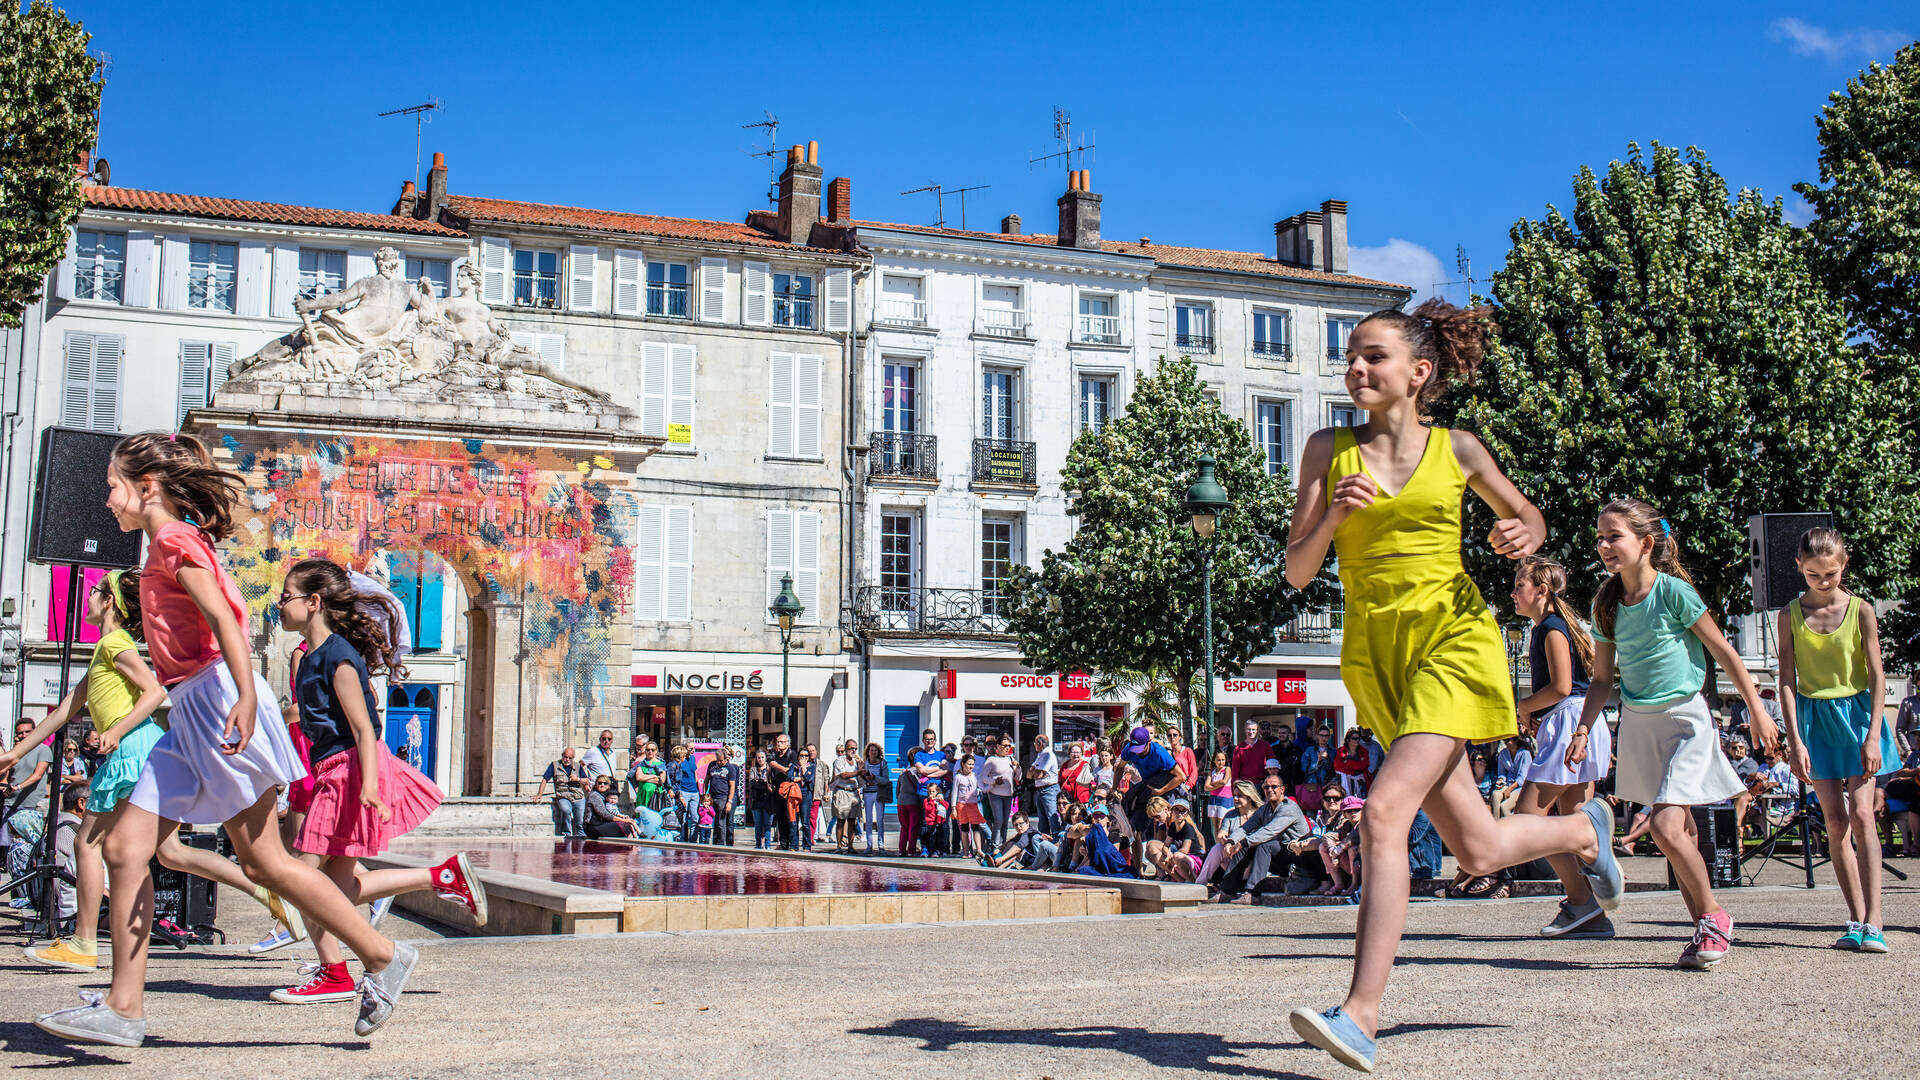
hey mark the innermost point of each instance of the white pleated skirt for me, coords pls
(188, 779)
(1671, 754)
(1550, 749)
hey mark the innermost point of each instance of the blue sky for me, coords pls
(1439, 124)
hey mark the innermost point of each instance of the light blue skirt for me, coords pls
(1835, 729)
(122, 768)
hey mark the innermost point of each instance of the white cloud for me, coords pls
(1404, 262)
(1797, 210)
(1809, 40)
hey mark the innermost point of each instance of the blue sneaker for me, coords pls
(1603, 873)
(277, 940)
(378, 910)
(1335, 1033)
(1850, 941)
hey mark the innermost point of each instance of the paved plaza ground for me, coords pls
(1476, 995)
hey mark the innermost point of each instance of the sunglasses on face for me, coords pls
(1271, 787)
(288, 598)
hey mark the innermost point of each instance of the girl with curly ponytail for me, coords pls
(1421, 652)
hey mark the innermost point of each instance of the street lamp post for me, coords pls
(1206, 501)
(786, 608)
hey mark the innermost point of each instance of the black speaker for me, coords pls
(71, 523)
(1773, 541)
(1719, 842)
(188, 901)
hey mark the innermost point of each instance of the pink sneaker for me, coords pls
(1712, 938)
(454, 880)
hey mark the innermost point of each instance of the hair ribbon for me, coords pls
(1665, 529)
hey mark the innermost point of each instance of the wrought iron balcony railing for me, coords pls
(1003, 461)
(902, 454)
(1311, 628)
(1273, 348)
(1200, 343)
(900, 609)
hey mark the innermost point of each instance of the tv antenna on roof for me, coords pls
(421, 114)
(1063, 134)
(103, 67)
(1463, 264)
(940, 201)
(772, 127)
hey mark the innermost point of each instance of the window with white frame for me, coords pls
(1096, 401)
(1270, 333)
(793, 547)
(1000, 403)
(899, 536)
(99, 265)
(536, 278)
(1001, 541)
(670, 290)
(1273, 433)
(1098, 324)
(1003, 310)
(663, 564)
(203, 370)
(794, 405)
(1338, 330)
(210, 275)
(1343, 414)
(793, 300)
(322, 273)
(900, 395)
(903, 300)
(666, 391)
(438, 272)
(90, 381)
(1193, 326)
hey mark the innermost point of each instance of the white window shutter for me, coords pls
(286, 280)
(76, 385)
(222, 363)
(580, 264)
(806, 564)
(552, 349)
(359, 264)
(779, 552)
(806, 406)
(629, 278)
(653, 388)
(679, 564)
(495, 263)
(106, 382)
(650, 565)
(839, 292)
(196, 363)
(253, 278)
(713, 290)
(680, 389)
(174, 251)
(69, 265)
(525, 339)
(757, 295)
(780, 419)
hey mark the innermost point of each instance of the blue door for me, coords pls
(903, 734)
(412, 709)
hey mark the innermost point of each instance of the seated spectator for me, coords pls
(604, 819)
(1025, 847)
(651, 824)
(1338, 847)
(1174, 851)
(1354, 762)
(1246, 799)
(1750, 774)
(1510, 773)
(1780, 774)
(1102, 857)
(1278, 822)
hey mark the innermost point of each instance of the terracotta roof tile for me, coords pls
(201, 206)
(1245, 262)
(507, 211)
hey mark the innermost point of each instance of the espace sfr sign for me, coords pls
(1280, 688)
(1009, 686)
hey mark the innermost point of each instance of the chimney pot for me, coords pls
(813, 152)
(1145, 240)
(1079, 215)
(439, 160)
(1086, 179)
(1010, 225)
(799, 209)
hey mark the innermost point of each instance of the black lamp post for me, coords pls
(786, 608)
(1206, 501)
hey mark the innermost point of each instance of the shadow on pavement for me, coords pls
(1516, 963)
(25, 1038)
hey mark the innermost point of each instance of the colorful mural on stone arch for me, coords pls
(529, 525)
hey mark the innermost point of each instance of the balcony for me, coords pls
(903, 311)
(1193, 343)
(891, 609)
(1312, 628)
(669, 300)
(1336, 359)
(1098, 330)
(902, 455)
(1003, 461)
(1003, 322)
(1279, 349)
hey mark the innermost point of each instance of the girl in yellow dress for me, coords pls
(1421, 654)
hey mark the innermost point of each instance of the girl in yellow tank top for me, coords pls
(1837, 737)
(1421, 653)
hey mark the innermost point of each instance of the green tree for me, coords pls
(1669, 342)
(1124, 595)
(48, 95)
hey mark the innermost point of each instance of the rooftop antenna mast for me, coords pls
(1463, 264)
(771, 125)
(103, 62)
(962, 192)
(1063, 134)
(939, 202)
(421, 114)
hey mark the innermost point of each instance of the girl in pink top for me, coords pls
(226, 753)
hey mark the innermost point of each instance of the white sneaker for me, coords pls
(378, 910)
(273, 942)
(380, 990)
(93, 1022)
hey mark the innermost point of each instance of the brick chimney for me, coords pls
(430, 202)
(1010, 225)
(409, 198)
(1333, 236)
(1314, 239)
(1080, 212)
(800, 194)
(840, 200)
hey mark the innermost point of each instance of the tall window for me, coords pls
(669, 289)
(210, 275)
(999, 551)
(795, 386)
(1270, 333)
(99, 263)
(1096, 401)
(322, 272)
(903, 301)
(1002, 311)
(1343, 415)
(896, 562)
(1273, 431)
(900, 397)
(999, 403)
(793, 300)
(1338, 330)
(1193, 327)
(536, 278)
(439, 272)
(1098, 323)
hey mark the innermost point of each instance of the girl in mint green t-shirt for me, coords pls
(1651, 629)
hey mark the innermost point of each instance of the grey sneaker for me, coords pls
(1603, 874)
(1572, 917)
(93, 1022)
(379, 990)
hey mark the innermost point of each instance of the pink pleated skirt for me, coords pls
(338, 824)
